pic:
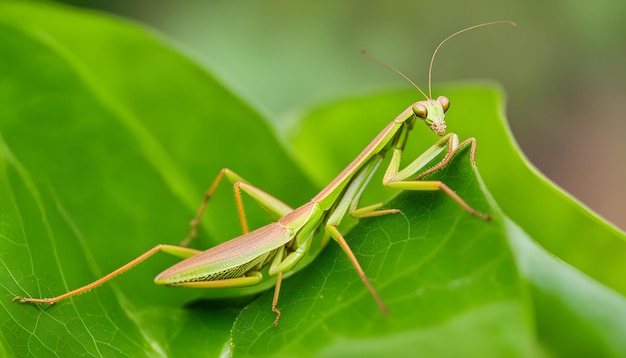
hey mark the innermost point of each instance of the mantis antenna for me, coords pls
(364, 53)
(432, 59)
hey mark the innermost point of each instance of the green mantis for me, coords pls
(277, 248)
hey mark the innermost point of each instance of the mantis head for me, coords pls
(433, 112)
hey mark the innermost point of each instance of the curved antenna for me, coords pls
(432, 59)
(364, 53)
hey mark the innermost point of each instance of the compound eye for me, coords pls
(445, 102)
(420, 110)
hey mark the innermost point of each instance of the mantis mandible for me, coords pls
(281, 245)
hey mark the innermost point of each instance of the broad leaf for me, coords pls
(558, 222)
(110, 139)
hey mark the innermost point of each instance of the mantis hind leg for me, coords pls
(273, 206)
(395, 178)
(178, 251)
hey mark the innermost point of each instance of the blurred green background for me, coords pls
(562, 69)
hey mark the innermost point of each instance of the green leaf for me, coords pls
(109, 138)
(562, 302)
(575, 316)
(550, 216)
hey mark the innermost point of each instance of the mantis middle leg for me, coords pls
(273, 206)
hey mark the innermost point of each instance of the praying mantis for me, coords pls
(280, 246)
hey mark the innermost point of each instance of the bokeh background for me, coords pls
(563, 69)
